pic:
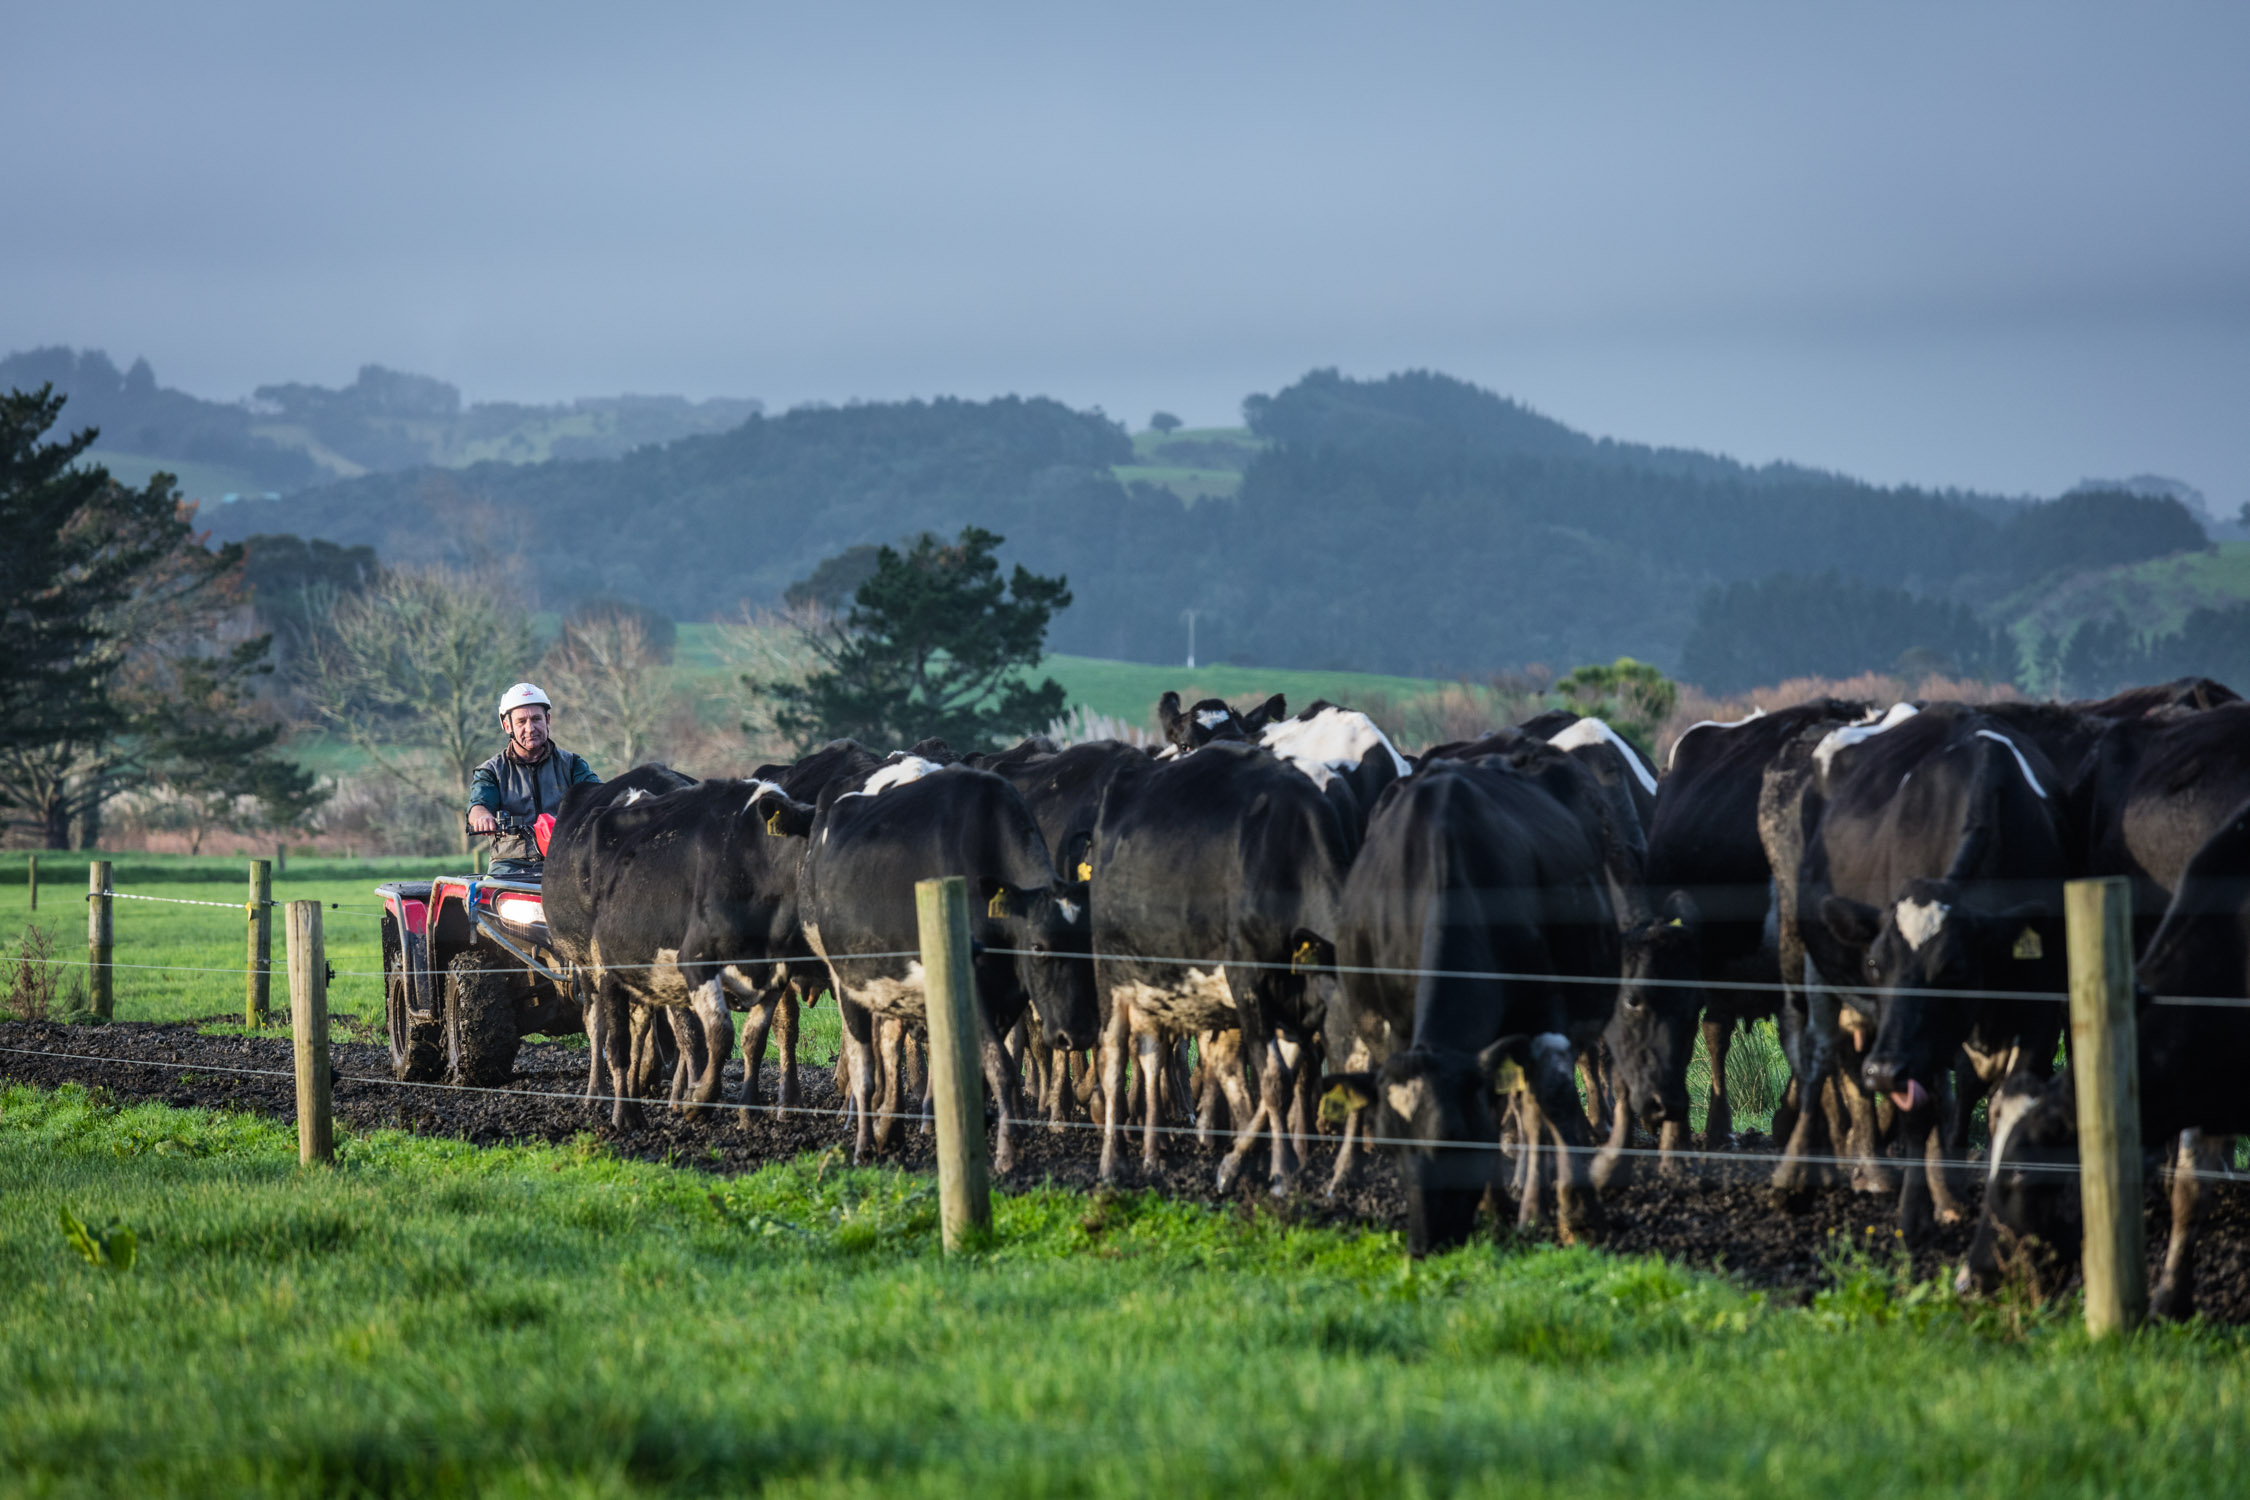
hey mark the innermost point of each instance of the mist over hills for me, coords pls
(1414, 524)
(295, 435)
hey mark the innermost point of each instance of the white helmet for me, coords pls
(519, 695)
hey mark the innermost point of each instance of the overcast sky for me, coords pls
(1996, 246)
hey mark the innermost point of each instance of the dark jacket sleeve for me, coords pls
(484, 788)
(581, 774)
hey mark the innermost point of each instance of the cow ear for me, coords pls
(785, 818)
(1355, 1090)
(1503, 1064)
(1168, 713)
(1853, 922)
(1309, 952)
(1272, 711)
(1681, 912)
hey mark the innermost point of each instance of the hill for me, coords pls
(1416, 525)
(292, 436)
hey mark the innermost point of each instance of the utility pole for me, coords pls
(1191, 637)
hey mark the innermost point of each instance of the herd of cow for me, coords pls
(1455, 954)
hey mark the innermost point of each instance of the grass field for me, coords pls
(2155, 595)
(198, 481)
(430, 1318)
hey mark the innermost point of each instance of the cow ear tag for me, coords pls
(773, 823)
(998, 905)
(1508, 1077)
(1085, 869)
(1675, 922)
(2028, 945)
(1306, 959)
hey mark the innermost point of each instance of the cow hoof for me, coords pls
(1229, 1169)
(1951, 1216)
(1877, 1181)
(2172, 1302)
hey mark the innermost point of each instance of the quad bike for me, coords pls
(468, 971)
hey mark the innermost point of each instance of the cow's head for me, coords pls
(1929, 939)
(2031, 1214)
(1212, 719)
(1053, 943)
(1435, 1108)
(1652, 1032)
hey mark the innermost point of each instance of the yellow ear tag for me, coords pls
(1675, 922)
(2028, 944)
(1085, 869)
(1305, 959)
(773, 823)
(998, 905)
(1508, 1077)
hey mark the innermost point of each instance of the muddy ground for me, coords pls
(1720, 1217)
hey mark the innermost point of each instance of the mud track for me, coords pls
(1719, 1218)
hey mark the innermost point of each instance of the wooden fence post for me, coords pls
(2105, 1065)
(956, 1075)
(99, 934)
(32, 880)
(308, 1019)
(257, 998)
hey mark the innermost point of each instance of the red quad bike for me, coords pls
(468, 971)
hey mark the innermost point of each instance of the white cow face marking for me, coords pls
(1070, 910)
(1920, 922)
(633, 796)
(1212, 718)
(1405, 1099)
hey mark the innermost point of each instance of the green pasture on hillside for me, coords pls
(2155, 596)
(198, 481)
(429, 1318)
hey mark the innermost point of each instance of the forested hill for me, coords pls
(1415, 524)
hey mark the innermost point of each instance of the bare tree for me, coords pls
(609, 677)
(410, 670)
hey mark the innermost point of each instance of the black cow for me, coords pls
(1709, 945)
(1213, 876)
(1482, 890)
(697, 902)
(2191, 1083)
(873, 837)
(1937, 865)
(1063, 788)
(588, 825)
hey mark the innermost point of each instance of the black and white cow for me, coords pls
(1342, 750)
(1708, 946)
(1213, 876)
(873, 837)
(1212, 720)
(1937, 866)
(697, 902)
(1482, 891)
(2192, 1064)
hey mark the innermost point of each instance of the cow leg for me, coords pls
(757, 1024)
(1114, 1034)
(1259, 1118)
(1148, 1053)
(617, 1056)
(1211, 1084)
(1578, 1212)
(591, 1014)
(1000, 1078)
(858, 1061)
(1531, 1161)
(1673, 1142)
(1718, 1117)
(887, 1065)
(1808, 1028)
(1870, 1173)
(1277, 1082)
(1785, 1114)
(791, 1093)
(1916, 1221)
(1613, 1169)
(716, 1040)
(1234, 1079)
(1949, 1141)
(2199, 1157)
(1250, 1118)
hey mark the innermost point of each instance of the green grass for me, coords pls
(198, 481)
(184, 940)
(428, 1318)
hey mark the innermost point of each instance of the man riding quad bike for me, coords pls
(467, 967)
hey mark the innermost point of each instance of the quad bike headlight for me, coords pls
(520, 910)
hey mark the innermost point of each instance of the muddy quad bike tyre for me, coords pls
(417, 1043)
(480, 1022)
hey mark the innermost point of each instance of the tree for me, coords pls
(214, 758)
(1630, 696)
(107, 596)
(608, 674)
(411, 669)
(933, 646)
(1165, 422)
(834, 581)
